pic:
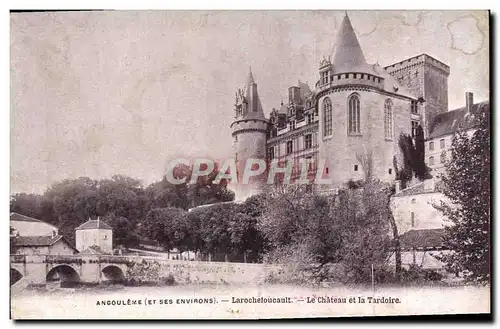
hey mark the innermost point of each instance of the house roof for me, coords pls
(15, 217)
(38, 241)
(429, 238)
(452, 121)
(94, 224)
(23, 218)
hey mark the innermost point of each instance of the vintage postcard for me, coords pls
(249, 164)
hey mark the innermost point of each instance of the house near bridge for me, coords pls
(30, 236)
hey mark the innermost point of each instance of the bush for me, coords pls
(417, 275)
(169, 280)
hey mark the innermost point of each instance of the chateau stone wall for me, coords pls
(341, 150)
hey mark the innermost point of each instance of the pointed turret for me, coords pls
(250, 129)
(254, 106)
(348, 53)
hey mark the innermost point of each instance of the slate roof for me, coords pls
(348, 54)
(22, 218)
(452, 121)
(38, 241)
(255, 110)
(94, 224)
(349, 57)
(429, 238)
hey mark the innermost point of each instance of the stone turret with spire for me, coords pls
(249, 132)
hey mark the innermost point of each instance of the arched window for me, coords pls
(327, 113)
(354, 123)
(388, 119)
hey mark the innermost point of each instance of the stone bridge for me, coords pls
(94, 269)
(68, 269)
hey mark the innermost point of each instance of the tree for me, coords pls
(350, 229)
(159, 225)
(413, 153)
(466, 185)
(124, 231)
(363, 215)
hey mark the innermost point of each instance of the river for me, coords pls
(238, 301)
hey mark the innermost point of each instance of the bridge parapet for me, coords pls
(17, 258)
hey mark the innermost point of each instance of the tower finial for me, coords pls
(345, 11)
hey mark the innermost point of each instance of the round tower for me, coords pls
(362, 112)
(249, 133)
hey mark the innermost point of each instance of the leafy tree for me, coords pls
(363, 216)
(124, 231)
(413, 158)
(159, 225)
(351, 229)
(466, 185)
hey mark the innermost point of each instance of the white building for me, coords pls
(27, 226)
(445, 125)
(94, 233)
(30, 236)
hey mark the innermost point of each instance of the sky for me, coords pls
(96, 94)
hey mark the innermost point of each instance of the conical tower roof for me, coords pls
(254, 109)
(348, 54)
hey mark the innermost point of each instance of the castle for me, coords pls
(349, 124)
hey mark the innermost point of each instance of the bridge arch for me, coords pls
(15, 276)
(66, 275)
(112, 274)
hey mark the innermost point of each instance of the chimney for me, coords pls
(469, 101)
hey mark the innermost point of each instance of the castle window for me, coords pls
(346, 76)
(431, 146)
(441, 143)
(390, 171)
(388, 119)
(310, 163)
(308, 141)
(355, 167)
(289, 147)
(414, 107)
(292, 125)
(354, 115)
(431, 161)
(105, 236)
(327, 170)
(327, 120)
(271, 153)
(412, 215)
